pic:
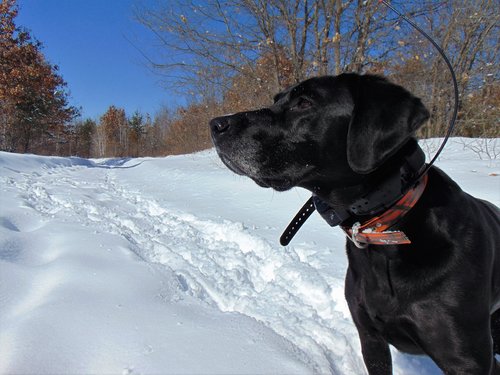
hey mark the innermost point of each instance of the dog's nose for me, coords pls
(219, 124)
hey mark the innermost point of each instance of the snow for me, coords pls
(172, 265)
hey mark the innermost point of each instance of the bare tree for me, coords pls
(220, 39)
(237, 53)
(99, 142)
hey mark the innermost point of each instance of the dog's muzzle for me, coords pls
(222, 130)
(221, 125)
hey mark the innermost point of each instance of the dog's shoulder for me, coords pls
(459, 210)
(456, 194)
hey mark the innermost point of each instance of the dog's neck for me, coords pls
(376, 192)
(366, 198)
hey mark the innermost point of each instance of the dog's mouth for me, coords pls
(280, 183)
(230, 164)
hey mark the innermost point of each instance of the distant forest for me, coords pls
(233, 55)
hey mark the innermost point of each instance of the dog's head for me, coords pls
(325, 130)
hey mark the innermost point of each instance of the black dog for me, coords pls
(349, 140)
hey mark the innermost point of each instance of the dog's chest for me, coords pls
(375, 289)
(371, 281)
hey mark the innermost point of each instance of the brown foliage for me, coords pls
(155, 133)
(256, 89)
(480, 113)
(115, 127)
(190, 132)
(252, 88)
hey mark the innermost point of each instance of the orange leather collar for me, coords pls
(376, 230)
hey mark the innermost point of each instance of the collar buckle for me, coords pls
(353, 237)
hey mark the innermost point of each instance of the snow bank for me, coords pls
(173, 265)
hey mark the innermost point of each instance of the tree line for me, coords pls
(234, 55)
(116, 134)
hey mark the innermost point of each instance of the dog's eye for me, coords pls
(302, 104)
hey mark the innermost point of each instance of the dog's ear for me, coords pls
(384, 117)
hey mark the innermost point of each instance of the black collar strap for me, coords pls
(299, 219)
(388, 192)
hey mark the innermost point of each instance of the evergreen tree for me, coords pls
(136, 133)
(33, 98)
(84, 134)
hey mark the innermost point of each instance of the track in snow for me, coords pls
(219, 262)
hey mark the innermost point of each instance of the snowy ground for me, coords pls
(172, 265)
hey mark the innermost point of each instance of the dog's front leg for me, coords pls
(374, 347)
(376, 353)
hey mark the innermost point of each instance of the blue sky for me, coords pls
(90, 41)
